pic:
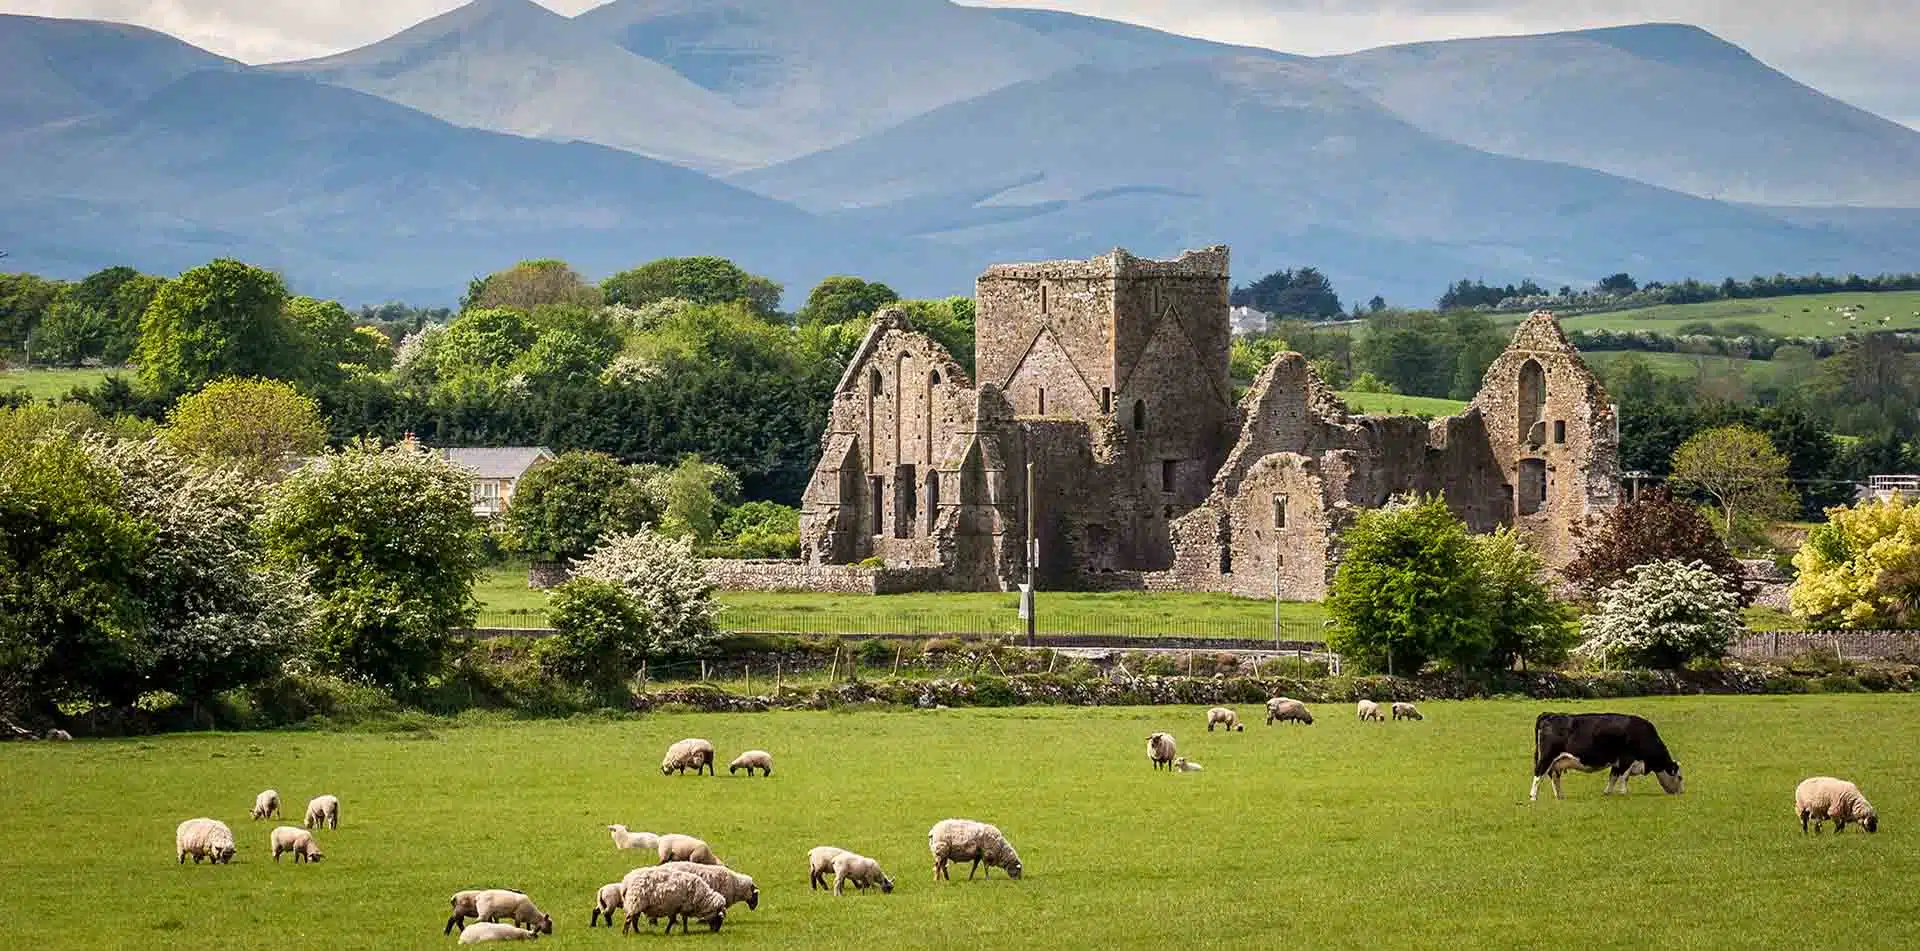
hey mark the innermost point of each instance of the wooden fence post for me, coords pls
(748, 670)
(779, 668)
(896, 662)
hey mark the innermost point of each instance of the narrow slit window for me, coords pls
(876, 486)
(1043, 298)
(1139, 416)
(1168, 469)
(1559, 431)
(1279, 511)
(1106, 399)
(1043, 400)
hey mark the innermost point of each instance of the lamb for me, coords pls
(656, 893)
(612, 898)
(751, 760)
(1283, 708)
(1819, 798)
(689, 754)
(1406, 711)
(466, 905)
(497, 903)
(323, 810)
(731, 885)
(1185, 765)
(965, 840)
(622, 839)
(1368, 710)
(819, 863)
(1160, 749)
(481, 932)
(203, 838)
(685, 848)
(298, 841)
(267, 805)
(861, 871)
(1226, 718)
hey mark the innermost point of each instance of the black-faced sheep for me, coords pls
(1222, 716)
(1819, 798)
(688, 754)
(964, 840)
(1286, 709)
(1406, 711)
(1160, 749)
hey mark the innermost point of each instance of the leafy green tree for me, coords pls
(122, 294)
(949, 321)
(24, 300)
(260, 427)
(1862, 568)
(1527, 623)
(1408, 590)
(760, 530)
(1291, 293)
(1662, 615)
(325, 332)
(1739, 469)
(840, 298)
(1652, 528)
(561, 510)
(692, 495)
(1622, 283)
(666, 582)
(1869, 387)
(600, 636)
(703, 280)
(221, 319)
(368, 348)
(71, 332)
(389, 542)
(530, 285)
(483, 339)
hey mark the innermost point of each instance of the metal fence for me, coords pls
(1095, 630)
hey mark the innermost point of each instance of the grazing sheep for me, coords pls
(323, 810)
(497, 903)
(964, 840)
(731, 885)
(612, 898)
(1368, 710)
(861, 871)
(466, 905)
(689, 754)
(1185, 765)
(298, 841)
(1820, 798)
(203, 838)
(1224, 717)
(58, 734)
(1160, 749)
(655, 893)
(686, 848)
(481, 932)
(1283, 708)
(819, 863)
(752, 760)
(1406, 711)
(623, 839)
(267, 805)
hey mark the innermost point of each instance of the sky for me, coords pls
(1861, 51)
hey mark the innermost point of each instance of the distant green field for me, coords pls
(1813, 315)
(47, 384)
(1687, 366)
(1396, 404)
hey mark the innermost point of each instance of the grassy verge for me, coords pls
(49, 384)
(1395, 404)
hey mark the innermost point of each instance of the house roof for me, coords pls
(503, 462)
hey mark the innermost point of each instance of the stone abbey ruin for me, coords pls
(1110, 378)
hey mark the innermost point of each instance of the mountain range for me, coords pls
(917, 141)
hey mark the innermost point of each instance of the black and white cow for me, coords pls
(1621, 743)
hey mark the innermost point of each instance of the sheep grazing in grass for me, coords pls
(1368, 710)
(323, 810)
(483, 932)
(964, 840)
(733, 886)
(863, 872)
(1160, 749)
(688, 754)
(685, 848)
(654, 893)
(819, 864)
(298, 841)
(1406, 711)
(1221, 716)
(203, 838)
(466, 905)
(1287, 709)
(497, 903)
(611, 898)
(267, 805)
(750, 761)
(1185, 765)
(623, 839)
(1819, 798)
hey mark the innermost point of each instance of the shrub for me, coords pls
(875, 652)
(1652, 528)
(1408, 590)
(1862, 568)
(668, 585)
(1526, 622)
(600, 635)
(1663, 615)
(939, 645)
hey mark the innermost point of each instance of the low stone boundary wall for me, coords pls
(1848, 645)
(734, 574)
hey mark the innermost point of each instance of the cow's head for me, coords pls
(1669, 779)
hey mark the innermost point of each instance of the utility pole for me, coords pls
(1033, 559)
(1278, 560)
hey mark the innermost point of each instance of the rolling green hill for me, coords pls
(1811, 315)
(1402, 405)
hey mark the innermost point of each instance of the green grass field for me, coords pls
(1338, 835)
(1687, 366)
(47, 384)
(1811, 315)
(1394, 403)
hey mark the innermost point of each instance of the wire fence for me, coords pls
(1050, 626)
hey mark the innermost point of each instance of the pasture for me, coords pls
(1398, 405)
(1338, 835)
(1809, 315)
(52, 384)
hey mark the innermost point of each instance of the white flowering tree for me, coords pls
(1662, 615)
(666, 582)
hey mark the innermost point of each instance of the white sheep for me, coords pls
(685, 848)
(623, 839)
(203, 838)
(688, 754)
(1284, 708)
(1406, 711)
(731, 885)
(298, 841)
(611, 898)
(752, 760)
(267, 805)
(863, 872)
(58, 734)
(964, 840)
(1368, 710)
(1819, 798)
(323, 810)
(1224, 717)
(1185, 765)
(819, 863)
(655, 893)
(482, 932)
(497, 903)
(466, 905)
(1160, 749)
